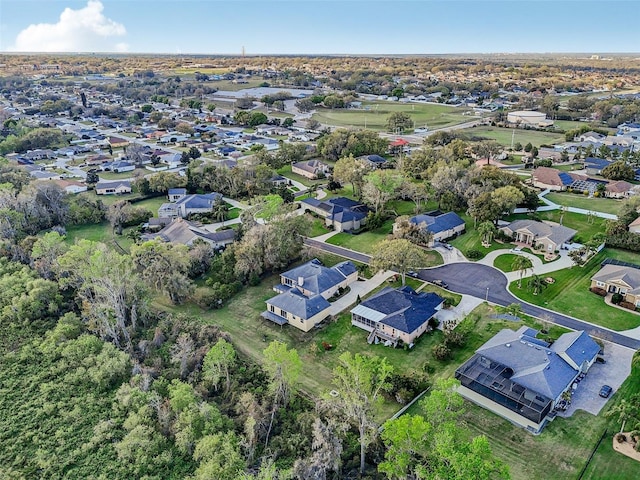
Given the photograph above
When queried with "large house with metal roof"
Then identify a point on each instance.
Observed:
(394, 315)
(303, 293)
(523, 378)
(539, 235)
(441, 225)
(341, 213)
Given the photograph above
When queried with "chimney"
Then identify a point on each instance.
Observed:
(300, 281)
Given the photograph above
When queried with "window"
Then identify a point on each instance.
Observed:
(272, 309)
(600, 284)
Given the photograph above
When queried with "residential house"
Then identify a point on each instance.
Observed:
(186, 233)
(441, 225)
(593, 137)
(119, 166)
(543, 236)
(634, 227)
(396, 314)
(619, 189)
(622, 279)
(311, 169)
(279, 180)
(522, 378)
(303, 293)
(118, 187)
(116, 142)
(340, 213)
(594, 165)
(374, 161)
(176, 194)
(42, 175)
(548, 178)
(188, 205)
(70, 186)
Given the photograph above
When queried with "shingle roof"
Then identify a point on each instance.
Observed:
(578, 346)
(620, 273)
(297, 304)
(594, 162)
(439, 223)
(177, 191)
(199, 200)
(402, 309)
(558, 234)
(317, 278)
(340, 209)
(114, 184)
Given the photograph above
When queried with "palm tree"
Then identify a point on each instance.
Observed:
(624, 411)
(487, 230)
(537, 283)
(220, 209)
(521, 264)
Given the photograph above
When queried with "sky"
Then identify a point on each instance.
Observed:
(320, 26)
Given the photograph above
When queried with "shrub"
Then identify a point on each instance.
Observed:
(627, 305)
(598, 291)
(621, 438)
(433, 323)
(441, 352)
(474, 254)
(455, 339)
(616, 298)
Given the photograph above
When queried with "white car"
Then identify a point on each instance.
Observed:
(516, 250)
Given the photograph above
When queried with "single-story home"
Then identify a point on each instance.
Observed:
(594, 165)
(117, 142)
(119, 166)
(554, 179)
(186, 233)
(523, 378)
(176, 194)
(622, 279)
(441, 225)
(341, 213)
(303, 293)
(374, 161)
(117, 187)
(634, 227)
(618, 189)
(70, 186)
(395, 314)
(188, 205)
(539, 235)
(311, 169)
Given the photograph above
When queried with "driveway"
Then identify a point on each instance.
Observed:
(490, 284)
(343, 252)
(612, 373)
(361, 288)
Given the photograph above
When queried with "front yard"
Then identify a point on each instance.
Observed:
(606, 205)
(570, 294)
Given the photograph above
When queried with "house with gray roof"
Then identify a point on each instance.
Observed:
(303, 293)
(622, 279)
(441, 225)
(340, 213)
(523, 378)
(539, 235)
(183, 232)
(118, 187)
(396, 314)
(311, 169)
(187, 205)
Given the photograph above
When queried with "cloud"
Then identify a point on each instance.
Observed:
(82, 30)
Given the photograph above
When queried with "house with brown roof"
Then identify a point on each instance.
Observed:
(553, 179)
(539, 235)
(634, 227)
(619, 189)
(118, 142)
(622, 279)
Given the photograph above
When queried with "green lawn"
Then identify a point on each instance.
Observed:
(504, 136)
(569, 167)
(99, 233)
(365, 242)
(318, 226)
(586, 226)
(606, 205)
(471, 240)
(505, 262)
(570, 294)
(375, 118)
(123, 175)
(286, 171)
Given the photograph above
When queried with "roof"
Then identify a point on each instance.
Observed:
(184, 232)
(535, 367)
(635, 223)
(578, 346)
(294, 302)
(115, 184)
(439, 223)
(594, 162)
(317, 278)
(558, 234)
(311, 166)
(340, 209)
(377, 159)
(619, 273)
(205, 200)
(620, 186)
(402, 309)
(177, 191)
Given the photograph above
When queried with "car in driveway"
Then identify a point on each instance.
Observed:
(516, 250)
(605, 391)
(448, 246)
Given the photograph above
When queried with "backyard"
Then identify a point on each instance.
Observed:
(570, 294)
(606, 205)
(374, 115)
(505, 136)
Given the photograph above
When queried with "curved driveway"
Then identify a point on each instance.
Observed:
(490, 284)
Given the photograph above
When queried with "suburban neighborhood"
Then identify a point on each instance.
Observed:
(242, 236)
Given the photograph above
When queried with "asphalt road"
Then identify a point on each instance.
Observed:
(343, 252)
(488, 283)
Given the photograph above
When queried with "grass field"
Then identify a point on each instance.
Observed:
(504, 135)
(123, 175)
(471, 240)
(505, 262)
(606, 205)
(569, 167)
(375, 115)
(570, 294)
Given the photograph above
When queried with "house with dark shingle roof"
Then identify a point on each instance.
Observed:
(311, 169)
(341, 213)
(523, 378)
(622, 279)
(441, 225)
(554, 179)
(304, 290)
(183, 232)
(189, 204)
(395, 314)
(539, 235)
(117, 187)
(374, 161)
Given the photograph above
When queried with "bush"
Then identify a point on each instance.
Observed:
(474, 254)
(598, 291)
(616, 298)
(455, 339)
(441, 352)
(627, 305)
(621, 438)
(433, 323)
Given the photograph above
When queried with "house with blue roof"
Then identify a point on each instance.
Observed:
(304, 290)
(441, 225)
(340, 213)
(396, 314)
(523, 378)
(187, 205)
(594, 165)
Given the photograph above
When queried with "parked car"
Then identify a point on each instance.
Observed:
(516, 250)
(440, 283)
(605, 391)
(413, 274)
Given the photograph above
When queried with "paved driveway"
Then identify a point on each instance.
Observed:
(612, 373)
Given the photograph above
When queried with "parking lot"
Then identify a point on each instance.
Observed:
(613, 373)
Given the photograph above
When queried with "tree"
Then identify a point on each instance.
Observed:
(487, 149)
(219, 457)
(217, 363)
(182, 353)
(507, 198)
(45, 253)
(415, 233)
(528, 147)
(380, 187)
(92, 178)
(184, 128)
(399, 255)
(194, 153)
(288, 122)
(350, 170)
(618, 171)
(283, 366)
(398, 122)
(326, 450)
(626, 410)
(305, 105)
(521, 264)
(537, 284)
(360, 381)
(487, 231)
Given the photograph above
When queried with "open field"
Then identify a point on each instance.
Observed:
(504, 135)
(606, 205)
(569, 167)
(374, 115)
(123, 175)
(570, 293)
